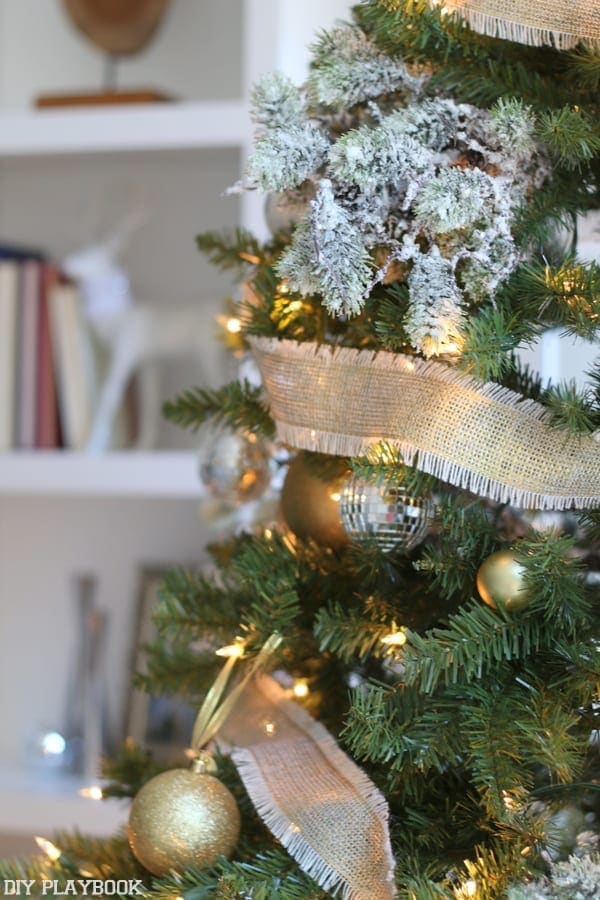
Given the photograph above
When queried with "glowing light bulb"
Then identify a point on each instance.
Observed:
(233, 326)
(470, 888)
(396, 638)
(509, 802)
(300, 688)
(94, 792)
(51, 850)
(236, 649)
(53, 744)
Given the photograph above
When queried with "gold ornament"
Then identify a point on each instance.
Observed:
(501, 579)
(182, 818)
(310, 506)
(187, 817)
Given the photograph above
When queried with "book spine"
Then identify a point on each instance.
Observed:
(9, 299)
(28, 354)
(72, 354)
(47, 427)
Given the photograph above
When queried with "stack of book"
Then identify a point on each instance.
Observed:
(47, 366)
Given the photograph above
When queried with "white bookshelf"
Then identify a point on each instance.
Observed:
(125, 474)
(147, 127)
(50, 802)
(113, 515)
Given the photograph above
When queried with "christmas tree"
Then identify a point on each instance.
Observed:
(423, 190)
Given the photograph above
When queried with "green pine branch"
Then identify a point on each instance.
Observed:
(128, 771)
(554, 581)
(572, 409)
(491, 337)
(475, 641)
(237, 404)
(235, 249)
(197, 603)
(355, 633)
(570, 135)
(399, 729)
(467, 535)
(270, 875)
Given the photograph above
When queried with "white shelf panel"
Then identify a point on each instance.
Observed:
(32, 803)
(119, 474)
(134, 127)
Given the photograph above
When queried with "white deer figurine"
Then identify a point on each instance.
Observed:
(135, 335)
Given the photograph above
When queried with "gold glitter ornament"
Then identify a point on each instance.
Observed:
(182, 818)
(310, 506)
(501, 578)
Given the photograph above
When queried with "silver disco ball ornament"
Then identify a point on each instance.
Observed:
(234, 467)
(385, 514)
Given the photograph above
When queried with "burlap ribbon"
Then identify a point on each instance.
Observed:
(533, 22)
(477, 436)
(321, 806)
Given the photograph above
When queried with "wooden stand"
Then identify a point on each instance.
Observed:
(103, 98)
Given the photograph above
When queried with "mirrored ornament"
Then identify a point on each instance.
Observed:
(385, 514)
(234, 467)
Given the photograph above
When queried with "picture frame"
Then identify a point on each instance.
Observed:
(161, 724)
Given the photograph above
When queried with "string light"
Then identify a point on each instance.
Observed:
(94, 792)
(233, 326)
(51, 850)
(470, 888)
(396, 638)
(53, 744)
(237, 649)
(300, 688)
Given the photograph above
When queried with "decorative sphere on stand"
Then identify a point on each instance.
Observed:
(385, 513)
(310, 505)
(501, 577)
(234, 467)
(182, 818)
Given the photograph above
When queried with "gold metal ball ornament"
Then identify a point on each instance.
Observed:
(501, 579)
(182, 818)
(310, 505)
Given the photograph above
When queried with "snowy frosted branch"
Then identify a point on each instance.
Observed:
(348, 68)
(328, 256)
